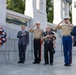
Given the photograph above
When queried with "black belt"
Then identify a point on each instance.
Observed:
(37, 38)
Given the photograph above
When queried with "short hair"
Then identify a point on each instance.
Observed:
(37, 22)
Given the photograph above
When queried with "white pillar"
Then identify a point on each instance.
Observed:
(74, 12)
(2, 12)
(29, 7)
(37, 14)
(61, 9)
(58, 6)
(66, 9)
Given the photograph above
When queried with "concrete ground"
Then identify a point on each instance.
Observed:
(38, 69)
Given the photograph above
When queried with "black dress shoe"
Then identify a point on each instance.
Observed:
(46, 63)
(65, 64)
(51, 63)
(20, 62)
(34, 62)
(69, 65)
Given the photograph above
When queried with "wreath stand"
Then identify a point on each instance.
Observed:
(2, 50)
(3, 36)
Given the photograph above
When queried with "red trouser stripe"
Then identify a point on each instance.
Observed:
(40, 50)
(71, 58)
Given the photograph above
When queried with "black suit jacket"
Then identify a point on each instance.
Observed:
(24, 40)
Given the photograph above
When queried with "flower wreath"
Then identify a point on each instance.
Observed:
(2, 36)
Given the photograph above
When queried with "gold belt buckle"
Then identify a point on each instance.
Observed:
(37, 38)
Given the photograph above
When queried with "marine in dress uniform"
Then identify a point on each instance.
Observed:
(37, 42)
(67, 40)
(48, 38)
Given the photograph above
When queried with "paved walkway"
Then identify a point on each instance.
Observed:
(39, 69)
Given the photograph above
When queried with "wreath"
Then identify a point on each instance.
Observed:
(2, 36)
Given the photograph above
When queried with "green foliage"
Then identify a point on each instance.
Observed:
(70, 14)
(49, 10)
(16, 5)
(19, 6)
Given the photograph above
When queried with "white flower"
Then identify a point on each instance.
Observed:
(3, 33)
(0, 41)
(3, 39)
(0, 29)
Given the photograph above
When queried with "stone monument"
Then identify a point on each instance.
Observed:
(61, 9)
(2, 12)
(74, 12)
(36, 9)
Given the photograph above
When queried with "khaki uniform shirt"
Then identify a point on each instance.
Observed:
(66, 29)
(37, 33)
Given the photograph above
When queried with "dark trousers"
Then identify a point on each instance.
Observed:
(37, 50)
(67, 47)
(48, 47)
(22, 50)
